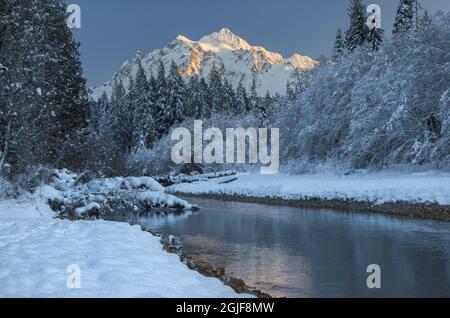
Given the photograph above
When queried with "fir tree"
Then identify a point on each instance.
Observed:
(141, 108)
(404, 20)
(241, 99)
(262, 111)
(197, 99)
(176, 96)
(358, 32)
(47, 108)
(230, 99)
(375, 38)
(339, 44)
(216, 90)
(254, 99)
(162, 112)
(290, 92)
(204, 107)
(425, 21)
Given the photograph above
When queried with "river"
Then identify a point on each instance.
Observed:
(300, 252)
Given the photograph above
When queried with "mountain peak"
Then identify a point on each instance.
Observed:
(239, 61)
(225, 39)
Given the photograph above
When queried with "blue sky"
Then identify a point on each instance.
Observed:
(113, 30)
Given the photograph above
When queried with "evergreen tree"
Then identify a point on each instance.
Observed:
(118, 118)
(254, 99)
(162, 112)
(358, 32)
(216, 90)
(230, 99)
(375, 38)
(425, 21)
(45, 102)
(176, 96)
(290, 92)
(197, 100)
(339, 45)
(241, 99)
(205, 105)
(141, 108)
(404, 20)
(262, 111)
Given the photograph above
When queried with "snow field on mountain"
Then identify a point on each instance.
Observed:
(240, 62)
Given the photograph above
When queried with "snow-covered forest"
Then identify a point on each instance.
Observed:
(378, 101)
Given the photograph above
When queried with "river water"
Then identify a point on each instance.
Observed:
(300, 252)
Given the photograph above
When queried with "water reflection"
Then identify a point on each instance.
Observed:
(297, 252)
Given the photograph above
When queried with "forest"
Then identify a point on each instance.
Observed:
(378, 102)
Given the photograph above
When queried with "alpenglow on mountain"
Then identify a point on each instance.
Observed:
(234, 57)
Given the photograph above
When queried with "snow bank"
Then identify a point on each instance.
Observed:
(69, 196)
(115, 260)
(381, 187)
(38, 253)
(162, 200)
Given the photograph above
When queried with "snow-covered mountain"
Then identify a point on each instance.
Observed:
(232, 55)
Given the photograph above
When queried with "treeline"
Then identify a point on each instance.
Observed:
(136, 117)
(44, 109)
(377, 108)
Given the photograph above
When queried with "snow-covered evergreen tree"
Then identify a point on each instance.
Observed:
(205, 105)
(339, 44)
(216, 89)
(162, 111)
(230, 100)
(358, 32)
(375, 38)
(241, 100)
(142, 116)
(176, 96)
(405, 17)
(254, 100)
(46, 105)
(263, 109)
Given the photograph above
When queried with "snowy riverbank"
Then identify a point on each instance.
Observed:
(412, 194)
(115, 259)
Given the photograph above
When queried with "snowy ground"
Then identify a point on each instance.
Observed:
(381, 187)
(115, 259)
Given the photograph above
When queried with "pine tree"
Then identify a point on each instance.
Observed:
(376, 36)
(119, 118)
(216, 90)
(339, 45)
(425, 21)
(197, 106)
(161, 102)
(358, 32)
(176, 96)
(263, 109)
(204, 107)
(46, 100)
(254, 99)
(230, 99)
(141, 108)
(290, 91)
(404, 20)
(241, 99)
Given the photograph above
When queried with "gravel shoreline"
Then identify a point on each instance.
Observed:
(399, 209)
